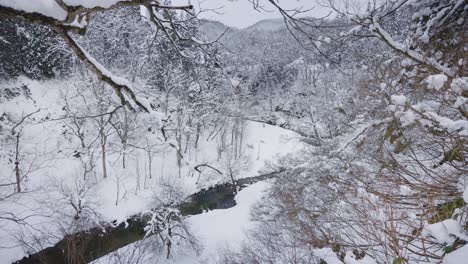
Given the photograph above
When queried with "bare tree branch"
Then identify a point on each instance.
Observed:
(81, 15)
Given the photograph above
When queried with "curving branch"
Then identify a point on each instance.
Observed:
(431, 63)
(120, 85)
(307, 31)
(76, 20)
(371, 23)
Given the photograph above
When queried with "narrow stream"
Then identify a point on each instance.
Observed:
(86, 246)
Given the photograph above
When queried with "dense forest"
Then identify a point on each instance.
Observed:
(136, 131)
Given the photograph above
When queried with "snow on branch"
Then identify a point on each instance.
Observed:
(411, 54)
(72, 16)
(371, 19)
(121, 85)
(66, 11)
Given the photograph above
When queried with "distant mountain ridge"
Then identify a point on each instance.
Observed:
(267, 25)
(214, 29)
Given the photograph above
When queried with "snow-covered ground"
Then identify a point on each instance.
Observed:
(216, 230)
(54, 182)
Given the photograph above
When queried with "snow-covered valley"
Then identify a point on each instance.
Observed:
(142, 132)
(55, 184)
(216, 230)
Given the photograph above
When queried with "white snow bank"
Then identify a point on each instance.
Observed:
(445, 231)
(266, 144)
(220, 228)
(457, 257)
(215, 229)
(125, 191)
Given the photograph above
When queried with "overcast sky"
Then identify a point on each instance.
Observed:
(241, 14)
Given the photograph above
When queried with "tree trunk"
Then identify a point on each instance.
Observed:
(241, 141)
(17, 169)
(123, 155)
(103, 150)
(150, 167)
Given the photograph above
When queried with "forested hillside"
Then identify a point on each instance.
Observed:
(133, 131)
